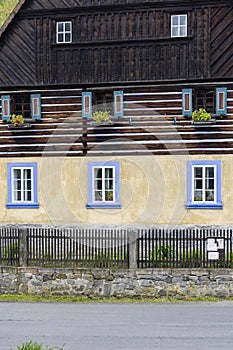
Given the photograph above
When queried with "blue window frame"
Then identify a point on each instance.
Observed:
(204, 184)
(221, 101)
(22, 185)
(87, 104)
(118, 103)
(103, 185)
(187, 102)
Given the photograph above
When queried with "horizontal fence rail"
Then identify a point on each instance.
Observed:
(116, 247)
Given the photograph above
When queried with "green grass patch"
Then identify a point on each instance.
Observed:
(35, 346)
(83, 299)
(6, 7)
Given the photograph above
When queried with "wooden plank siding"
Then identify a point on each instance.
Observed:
(116, 42)
(148, 127)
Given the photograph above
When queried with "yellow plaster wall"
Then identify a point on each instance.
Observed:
(153, 191)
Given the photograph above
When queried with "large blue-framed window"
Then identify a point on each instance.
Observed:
(22, 185)
(204, 184)
(103, 185)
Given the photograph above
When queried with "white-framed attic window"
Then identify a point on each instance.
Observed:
(64, 32)
(178, 26)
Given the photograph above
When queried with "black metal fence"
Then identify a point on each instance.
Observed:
(68, 247)
(185, 248)
(116, 247)
(78, 247)
(9, 246)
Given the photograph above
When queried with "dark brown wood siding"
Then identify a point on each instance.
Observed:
(221, 42)
(18, 54)
(115, 44)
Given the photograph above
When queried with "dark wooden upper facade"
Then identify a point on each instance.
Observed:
(116, 42)
(118, 45)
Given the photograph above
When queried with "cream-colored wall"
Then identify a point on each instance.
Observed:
(153, 190)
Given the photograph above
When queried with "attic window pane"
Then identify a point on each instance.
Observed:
(60, 27)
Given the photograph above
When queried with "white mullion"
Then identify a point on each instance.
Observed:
(204, 182)
(103, 184)
(22, 184)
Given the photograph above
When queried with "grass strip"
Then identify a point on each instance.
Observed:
(83, 299)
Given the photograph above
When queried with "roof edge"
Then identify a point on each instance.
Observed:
(11, 16)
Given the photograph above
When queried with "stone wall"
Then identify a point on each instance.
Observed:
(150, 283)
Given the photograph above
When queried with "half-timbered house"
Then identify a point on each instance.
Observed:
(149, 64)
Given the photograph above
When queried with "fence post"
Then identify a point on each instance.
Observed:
(23, 246)
(133, 248)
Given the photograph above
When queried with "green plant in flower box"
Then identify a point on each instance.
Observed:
(101, 116)
(200, 115)
(17, 119)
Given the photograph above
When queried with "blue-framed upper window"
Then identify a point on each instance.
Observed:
(204, 184)
(103, 185)
(107, 101)
(22, 185)
(29, 106)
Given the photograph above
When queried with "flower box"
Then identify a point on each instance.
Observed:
(202, 122)
(19, 126)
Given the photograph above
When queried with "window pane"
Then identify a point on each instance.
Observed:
(67, 27)
(182, 31)
(175, 31)
(209, 184)
(198, 172)
(109, 173)
(183, 20)
(198, 196)
(174, 20)
(98, 184)
(198, 184)
(67, 37)
(209, 172)
(60, 27)
(109, 195)
(98, 196)
(98, 173)
(209, 195)
(60, 38)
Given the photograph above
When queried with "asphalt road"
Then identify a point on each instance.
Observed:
(136, 326)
